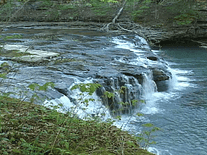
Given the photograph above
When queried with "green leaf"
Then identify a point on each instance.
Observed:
(153, 142)
(67, 145)
(33, 86)
(134, 102)
(91, 99)
(43, 88)
(143, 101)
(86, 101)
(147, 133)
(74, 87)
(83, 88)
(122, 103)
(90, 88)
(156, 129)
(140, 114)
(21, 139)
(149, 125)
(108, 94)
(4, 64)
(118, 117)
(3, 75)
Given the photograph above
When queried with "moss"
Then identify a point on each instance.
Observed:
(59, 61)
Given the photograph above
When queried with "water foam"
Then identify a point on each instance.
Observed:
(158, 152)
(92, 109)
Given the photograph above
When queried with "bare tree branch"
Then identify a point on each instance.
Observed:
(120, 11)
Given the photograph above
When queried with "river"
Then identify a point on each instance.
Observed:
(183, 111)
(180, 112)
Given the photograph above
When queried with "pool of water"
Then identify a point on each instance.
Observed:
(182, 112)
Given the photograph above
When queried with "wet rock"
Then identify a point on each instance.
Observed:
(153, 58)
(62, 88)
(120, 71)
(29, 56)
(160, 75)
(125, 89)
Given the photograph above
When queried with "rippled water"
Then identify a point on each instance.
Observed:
(182, 111)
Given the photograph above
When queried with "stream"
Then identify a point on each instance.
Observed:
(177, 105)
(183, 110)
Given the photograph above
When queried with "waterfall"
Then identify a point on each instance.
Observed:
(149, 87)
(150, 95)
(125, 87)
(72, 102)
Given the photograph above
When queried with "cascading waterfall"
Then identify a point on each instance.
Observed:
(73, 104)
(149, 87)
(133, 89)
(149, 95)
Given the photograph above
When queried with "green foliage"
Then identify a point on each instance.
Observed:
(144, 6)
(108, 94)
(16, 36)
(90, 88)
(4, 70)
(184, 12)
(3, 75)
(66, 7)
(147, 2)
(46, 131)
(134, 102)
(13, 37)
(110, 1)
(140, 114)
(35, 86)
(6, 10)
(100, 8)
(186, 18)
(46, 4)
(145, 138)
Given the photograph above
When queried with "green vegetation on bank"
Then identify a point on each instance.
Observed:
(163, 12)
(27, 128)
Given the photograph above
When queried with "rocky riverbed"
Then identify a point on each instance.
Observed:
(64, 56)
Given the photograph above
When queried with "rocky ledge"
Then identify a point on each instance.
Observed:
(79, 54)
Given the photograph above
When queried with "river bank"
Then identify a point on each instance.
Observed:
(41, 130)
(157, 23)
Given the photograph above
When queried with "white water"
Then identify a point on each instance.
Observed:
(154, 99)
(132, 123)
(83, 111)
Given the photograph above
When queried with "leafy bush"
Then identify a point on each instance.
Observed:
(186, 18)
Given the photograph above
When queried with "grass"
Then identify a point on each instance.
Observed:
(27, 128)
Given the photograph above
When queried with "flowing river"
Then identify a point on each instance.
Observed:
(183, 110)
(180, 112)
